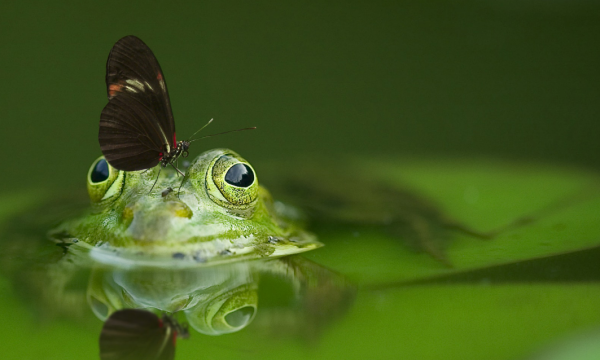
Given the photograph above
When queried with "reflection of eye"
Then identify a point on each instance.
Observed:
(240, 175)
(227, 312)
(240, 317)
(100, 172)
(99, 308)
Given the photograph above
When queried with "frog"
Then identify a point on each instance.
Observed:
(218, 213)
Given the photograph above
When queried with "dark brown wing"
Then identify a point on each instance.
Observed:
(136, 126)
(133, 334)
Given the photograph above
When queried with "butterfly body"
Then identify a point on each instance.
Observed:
(180, 150)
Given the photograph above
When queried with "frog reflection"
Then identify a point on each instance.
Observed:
(215, 300)
(221, 299)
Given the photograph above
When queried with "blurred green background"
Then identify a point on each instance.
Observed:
(500, 78)
(504, 79)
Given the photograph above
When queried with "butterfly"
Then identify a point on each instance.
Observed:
(139, 334)
(137, 130)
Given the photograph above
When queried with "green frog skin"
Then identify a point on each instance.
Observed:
(218, 214)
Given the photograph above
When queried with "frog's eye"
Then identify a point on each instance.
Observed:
(99, 172)
(103, 180)
(240, 175)
(232, 183)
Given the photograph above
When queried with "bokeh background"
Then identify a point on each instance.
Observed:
(493, 79)
(516, 79)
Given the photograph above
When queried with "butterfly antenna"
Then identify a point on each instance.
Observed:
(197, 131)
(226, 132)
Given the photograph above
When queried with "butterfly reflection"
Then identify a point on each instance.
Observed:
(132, 334)
(299, 298)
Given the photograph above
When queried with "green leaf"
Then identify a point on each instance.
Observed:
(540, 211)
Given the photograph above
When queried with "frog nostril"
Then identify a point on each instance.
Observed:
(180, 209)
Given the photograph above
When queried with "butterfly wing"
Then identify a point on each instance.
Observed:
(133, 334)
(136, 126)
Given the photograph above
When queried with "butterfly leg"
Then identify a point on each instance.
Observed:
(179, 171)
(155, 181)
(180, 185)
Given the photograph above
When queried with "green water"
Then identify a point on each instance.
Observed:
(509, 80)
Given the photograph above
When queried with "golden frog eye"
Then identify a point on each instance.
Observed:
(232, 183)
(103, 181)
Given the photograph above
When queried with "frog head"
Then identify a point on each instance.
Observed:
(218, 212)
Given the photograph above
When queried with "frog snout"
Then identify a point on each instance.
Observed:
(153, 222)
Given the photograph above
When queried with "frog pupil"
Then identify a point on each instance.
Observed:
(240, 175)
(100, 172)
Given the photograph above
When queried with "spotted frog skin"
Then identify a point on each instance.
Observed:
(218, 213)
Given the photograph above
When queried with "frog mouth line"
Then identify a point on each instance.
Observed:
(215, 252)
